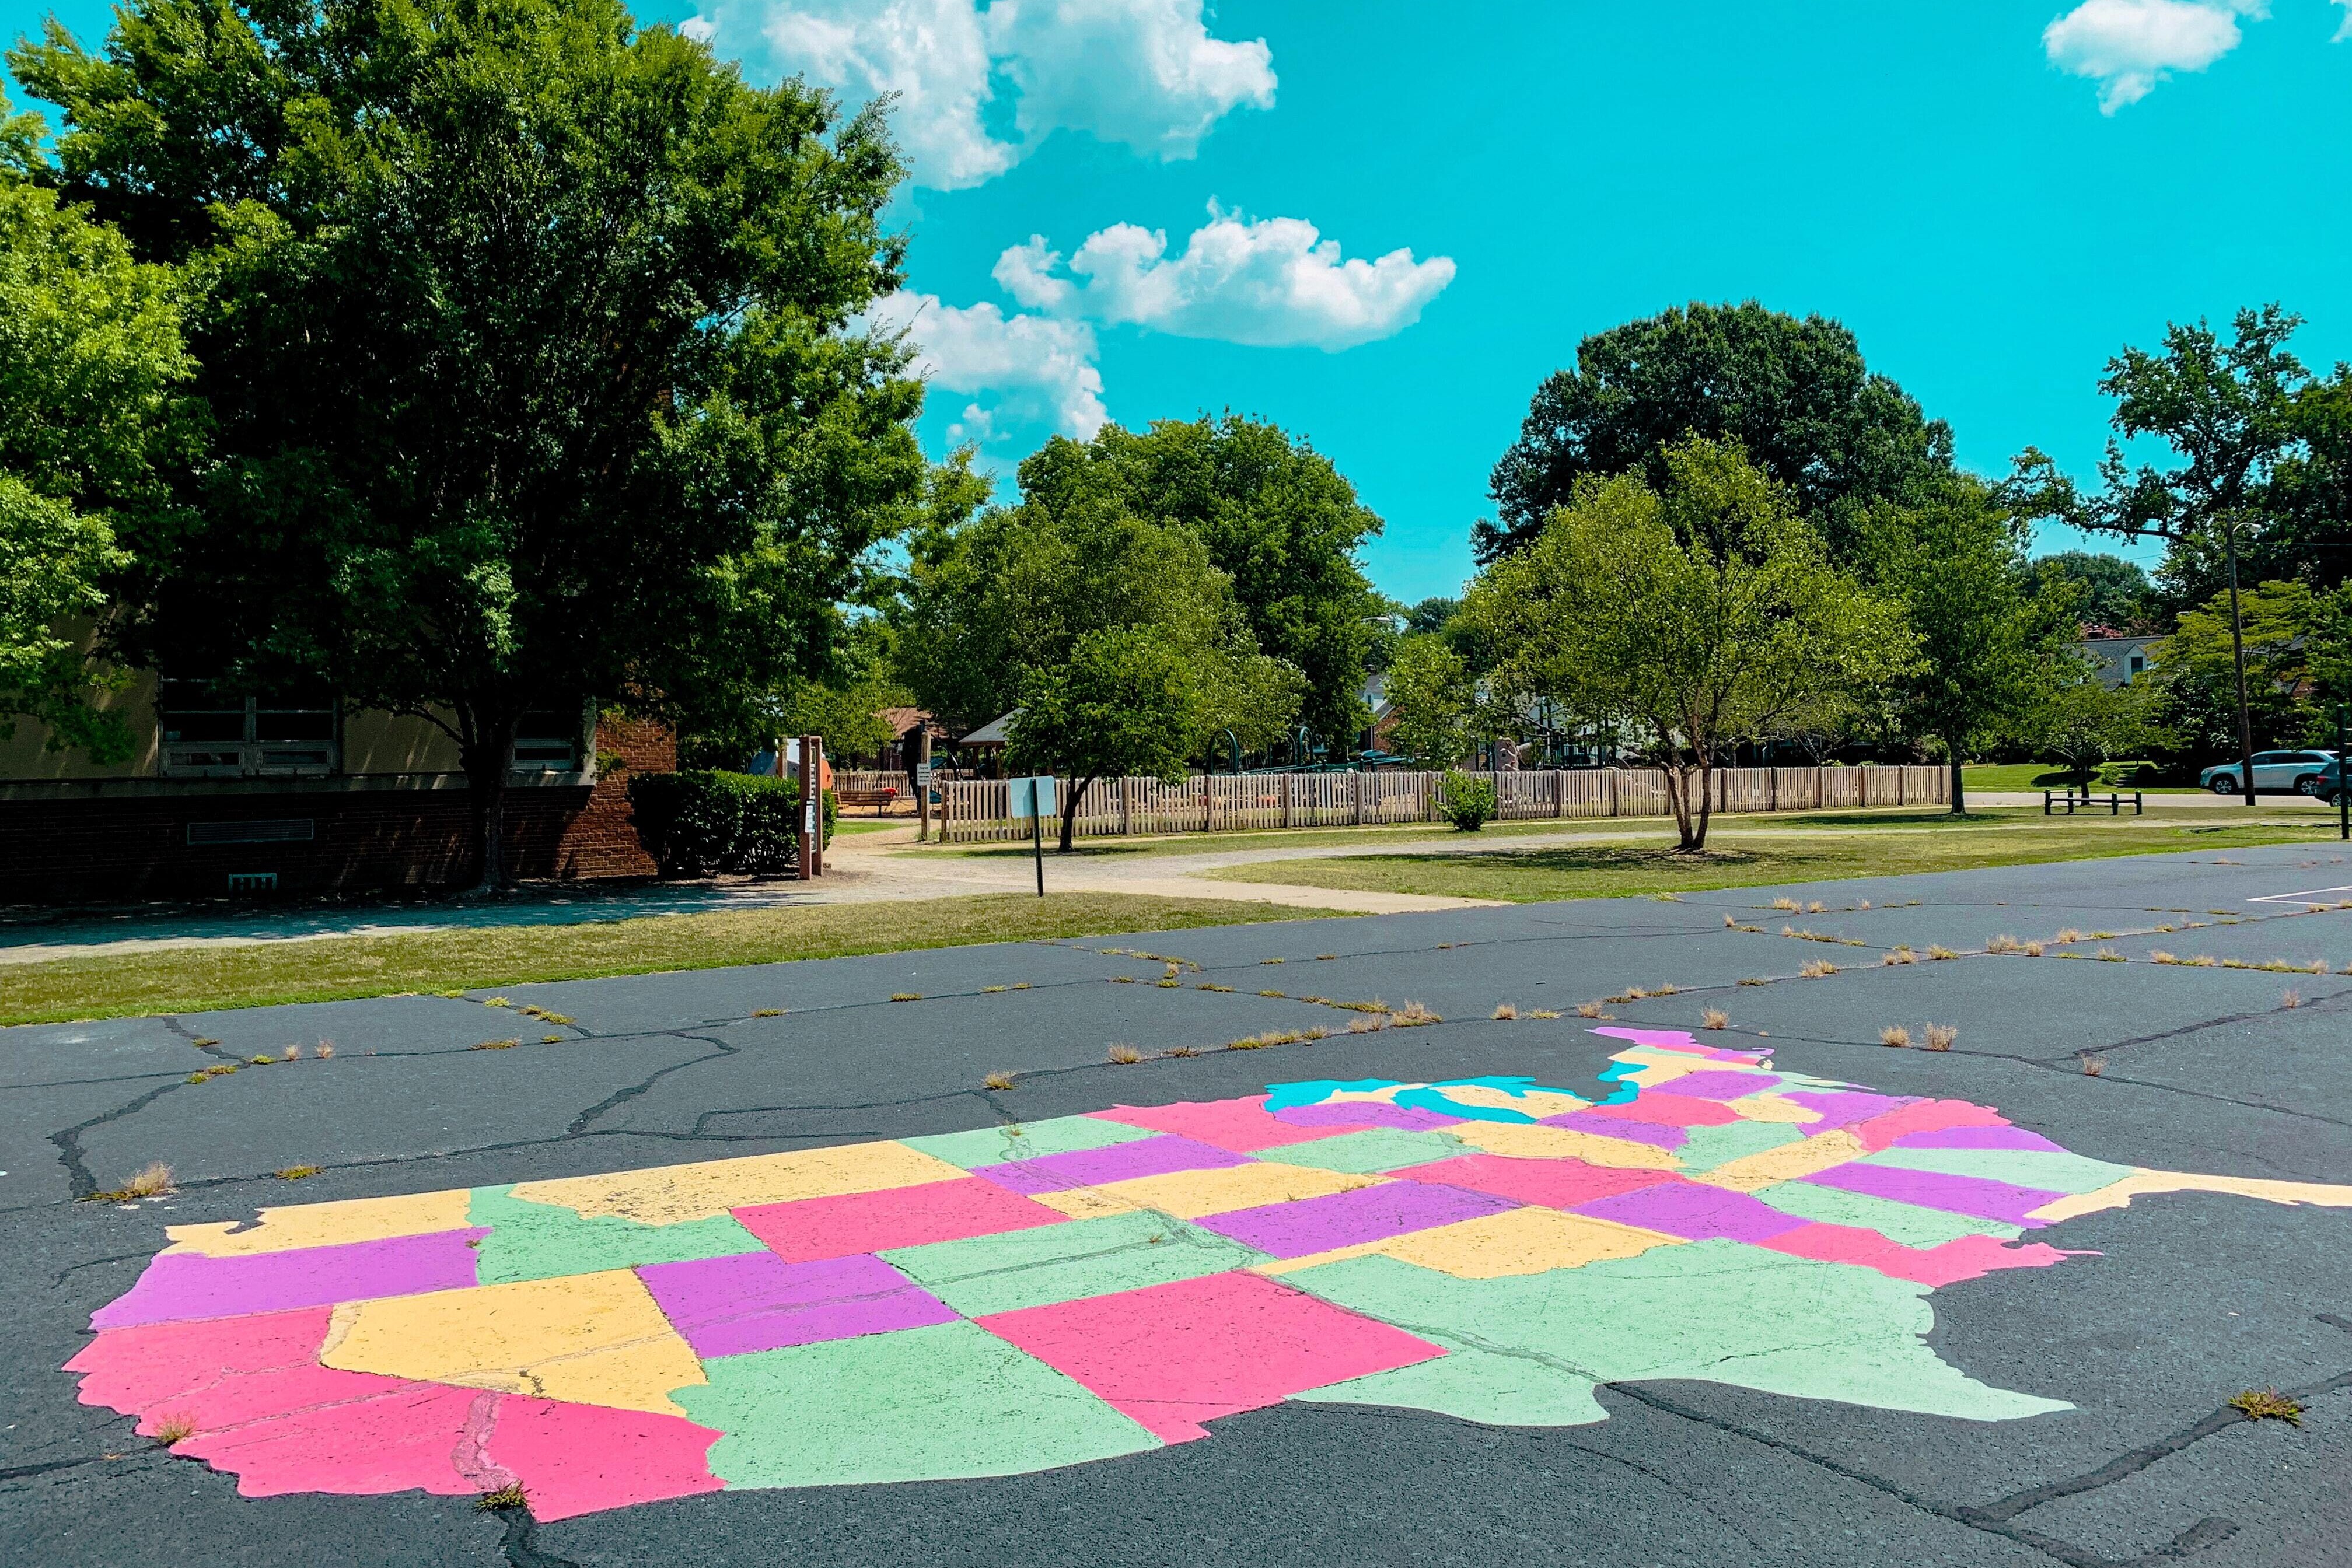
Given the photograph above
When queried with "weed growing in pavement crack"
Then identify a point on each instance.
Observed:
(296, 1173)
(511, 1495)
(150, 1180)
(177, 1427)
(1755, 980)
(1940, 1036)
(998, 1081)
(906, 996)
(1124, 1055)
(495, 1045)
(1814, 969)
(2093, 1066)
(1715, 1018)
(1412, 1015)
(2268, 1404)
(779, 1012)
(1285, 994)
(1900, 956)
(2292, 999)
(1504, 1012)
(1894, 1034)
(1940, 952)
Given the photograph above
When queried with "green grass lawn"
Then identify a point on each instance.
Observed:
(1803, 849)
(196, 979)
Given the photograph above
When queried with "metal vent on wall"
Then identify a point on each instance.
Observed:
(280, 831)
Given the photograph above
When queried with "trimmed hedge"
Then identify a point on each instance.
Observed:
(701, 822)
(1468, 803)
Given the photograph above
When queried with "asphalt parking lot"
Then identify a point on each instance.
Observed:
(2161, 1314)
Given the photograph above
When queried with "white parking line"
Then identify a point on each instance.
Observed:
(2310, 897)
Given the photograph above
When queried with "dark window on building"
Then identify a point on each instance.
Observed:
(209, 733)
(548, 741)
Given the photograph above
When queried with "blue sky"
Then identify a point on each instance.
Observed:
(1994, 198)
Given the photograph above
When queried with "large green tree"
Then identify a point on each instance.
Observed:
(1988, 653)
(1696, 616)
(2229, 412)
(2111, 591)
(1436, 702)
(1277, 518)
(1793, 394)
(93, 421)
(527, 333)
(1054, 607)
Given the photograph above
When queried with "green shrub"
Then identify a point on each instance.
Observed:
(701, 822)
(1468, 803)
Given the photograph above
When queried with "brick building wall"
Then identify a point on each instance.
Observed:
(100, 843)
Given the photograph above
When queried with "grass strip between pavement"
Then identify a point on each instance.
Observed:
(1889, 846)
(333, 968)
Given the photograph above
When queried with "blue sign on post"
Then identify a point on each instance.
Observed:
(1033, 798)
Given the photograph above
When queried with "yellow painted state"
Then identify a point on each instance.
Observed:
(1525, 1142)
(1787, 1163)
(2145, 1183)
(674, 1195)
(592, 1339)
(1536, 1103)
(1772, 1108)
(1188, 1195)
(1521, 1242)
(1655, 1067)
(326, 1225)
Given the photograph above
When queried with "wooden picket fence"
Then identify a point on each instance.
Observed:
(975, 810)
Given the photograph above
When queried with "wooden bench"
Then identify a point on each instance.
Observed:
(880, 800)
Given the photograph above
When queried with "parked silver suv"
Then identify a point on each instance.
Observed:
(2274, 770)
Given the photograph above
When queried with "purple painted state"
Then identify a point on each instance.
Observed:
(1978, 1138)
(1932, 1189)
(1348, 1218)
(1120, 1162)
(1694, 1211)
(1648, 1132)
(178, 1286)
(1680, 1040)
(1845, 1107)
(756, 1300)
(1365, 1113)
(1718, 1085)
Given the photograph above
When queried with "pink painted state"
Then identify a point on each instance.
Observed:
(1925, 1116)
(1172, 1356)
(1120, 1162)
(811, 1228)
(1681, 1040)
(1845, 1107)
(753, 1302)
(1976, 1195)
(1694, 1211)
(1720, 1086)
(1551, 1184)
(1656, 1134)
(572, 1460)
(1662, 1108)
(1978, 1138)
(182, 1285)
(1244, 1126)
(402, 1441)
(221, 1373)
(1968, 1257)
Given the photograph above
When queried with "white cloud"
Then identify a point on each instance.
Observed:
(2129, 45)
(1142, 72)
(1038, 371)
(2344, 31)
(1145, 73)
(1272, 283)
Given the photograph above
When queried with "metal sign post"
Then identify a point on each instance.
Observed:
(812, 834)
(1034, 799)
(2343, 784)
(922, 781)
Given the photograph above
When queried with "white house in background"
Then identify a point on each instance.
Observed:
(2121, 660)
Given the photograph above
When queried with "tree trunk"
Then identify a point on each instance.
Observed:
(486, 761)
(1070, 811)
(1697, 841)
(1960, 789)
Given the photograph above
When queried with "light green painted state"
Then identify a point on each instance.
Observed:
(2051, 1170)
(1066, 1262)
(1713, 1311)
(928, 1403)
(1907, 1223)
(1372, 1152)
(1708, 1147)
(1477, 1386)
(541, 1241)
(1027, 1141)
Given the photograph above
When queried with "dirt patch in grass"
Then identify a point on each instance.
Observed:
(197, 980)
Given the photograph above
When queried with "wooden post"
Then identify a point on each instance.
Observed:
(1612, 792)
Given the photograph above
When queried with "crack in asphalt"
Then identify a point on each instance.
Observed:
(80, 1183)
(720, 1050)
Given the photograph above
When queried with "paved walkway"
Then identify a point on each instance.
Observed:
(885, 866)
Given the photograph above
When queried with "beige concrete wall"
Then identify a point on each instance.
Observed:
(393, 743)
(25, 755)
